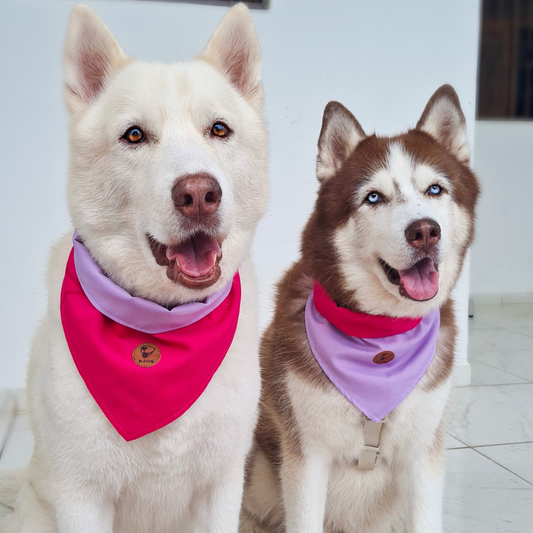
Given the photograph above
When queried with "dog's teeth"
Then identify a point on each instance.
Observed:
(214, 257)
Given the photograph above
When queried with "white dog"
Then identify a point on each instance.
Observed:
(167, 184)
(364, 328)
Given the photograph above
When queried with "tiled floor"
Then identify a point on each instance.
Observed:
(489, 460)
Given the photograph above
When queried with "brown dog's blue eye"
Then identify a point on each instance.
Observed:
(220, 129)
(134, 135)
(435, 190)
(373, 198)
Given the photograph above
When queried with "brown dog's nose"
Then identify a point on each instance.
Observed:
(423, 233)
(196, 195)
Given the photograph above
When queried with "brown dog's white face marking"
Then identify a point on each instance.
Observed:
(387, 210)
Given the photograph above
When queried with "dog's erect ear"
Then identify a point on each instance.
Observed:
(339, 136)
(234, 50)
(91, 57)
(443, 119)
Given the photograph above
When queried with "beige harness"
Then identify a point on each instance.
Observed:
(370, 456)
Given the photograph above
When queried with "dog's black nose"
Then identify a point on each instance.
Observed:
(423, 233)
(196, 195)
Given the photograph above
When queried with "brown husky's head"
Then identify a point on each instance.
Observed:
(394, 215)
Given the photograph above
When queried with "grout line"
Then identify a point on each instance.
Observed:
(493, 385)
(503, 328)
(456, 438)
(465, 445)
(9, 429)
(488, 445)
(528, 335)
(500, 370)
(501, 444)
(472, 357)
(504, 467)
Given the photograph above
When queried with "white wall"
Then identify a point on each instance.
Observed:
(502, 255)
(382, 59)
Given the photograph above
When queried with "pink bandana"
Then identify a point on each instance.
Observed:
(144, 365)
(374, 372)
(359, 324)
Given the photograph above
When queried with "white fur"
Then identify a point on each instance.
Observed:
(186, 477)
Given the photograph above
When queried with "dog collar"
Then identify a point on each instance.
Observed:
(375, 373)
(359, 324)
(137, 313)
(142, 375)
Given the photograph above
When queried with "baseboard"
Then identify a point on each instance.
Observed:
(503, 298)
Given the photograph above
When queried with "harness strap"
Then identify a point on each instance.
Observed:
(370, 456)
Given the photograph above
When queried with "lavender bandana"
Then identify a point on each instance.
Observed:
(131, 311)
(375, 374)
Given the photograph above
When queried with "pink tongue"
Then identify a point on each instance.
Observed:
(196, 256)
(421, 281)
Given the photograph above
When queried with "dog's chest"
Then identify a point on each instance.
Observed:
(174, 466)
(331, 426)
(327, 420)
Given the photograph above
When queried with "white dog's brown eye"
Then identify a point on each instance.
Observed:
(134, 135)
(220, 129)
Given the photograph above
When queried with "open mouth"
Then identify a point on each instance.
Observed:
(419, 282)
(193, 262)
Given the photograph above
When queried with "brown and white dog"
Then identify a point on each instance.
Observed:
(393, 220)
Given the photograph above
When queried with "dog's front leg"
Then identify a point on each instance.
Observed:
(426, 494)
(84, 512)
(304, 485)
(222, 511)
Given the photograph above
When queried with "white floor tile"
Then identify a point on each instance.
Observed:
(518, 458)
(483, 374)
(495, 414)
(19, 446)
(498, 339)
(505, 316)
(482, 497)
(527, 331)
(518, 298)
(477, 324)
(516, 362)
(451, 443)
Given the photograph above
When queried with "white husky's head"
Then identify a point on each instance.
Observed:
(395, 215)
(168, 162)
